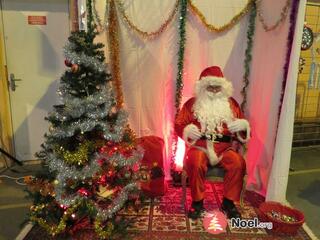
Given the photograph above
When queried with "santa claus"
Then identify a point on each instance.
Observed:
(210, 123)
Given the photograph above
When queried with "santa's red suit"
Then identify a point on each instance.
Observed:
(215, 145)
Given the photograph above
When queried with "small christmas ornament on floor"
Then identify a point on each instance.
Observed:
(282, 217)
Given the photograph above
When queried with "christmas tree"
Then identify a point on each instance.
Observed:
(89, 151)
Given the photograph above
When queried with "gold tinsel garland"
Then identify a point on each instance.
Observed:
(283, 15)
(145, 34)
(53, 229)
(103, 232)
(79, 157)
(113, 37)
(224, 27)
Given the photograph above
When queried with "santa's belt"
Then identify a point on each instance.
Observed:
(217, 138)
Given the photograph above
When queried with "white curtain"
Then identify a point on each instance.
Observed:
(278, 182)
(148, 69)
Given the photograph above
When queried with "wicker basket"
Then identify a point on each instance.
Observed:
(280, 226)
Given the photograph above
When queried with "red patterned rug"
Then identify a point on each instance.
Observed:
(165, 218)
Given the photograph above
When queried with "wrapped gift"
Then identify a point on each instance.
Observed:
(152, 166)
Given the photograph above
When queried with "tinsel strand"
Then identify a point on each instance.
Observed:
(224, 27)
(90, 23)
(283, 15)
(110, 133)
(53, 229)
(104, 232)
(182, 43)
(145, 34)
(117, 203)
(71, 55)
(114, 48)
(98, 21)
(87, 106)
(248, 54)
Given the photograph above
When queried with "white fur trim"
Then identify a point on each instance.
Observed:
(186, 133)
(209, 151)
(211, 154)
(213, 158)
(226, 85)
(245, 140)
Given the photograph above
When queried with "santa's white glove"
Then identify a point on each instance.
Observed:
(191, 132)
(238, 125)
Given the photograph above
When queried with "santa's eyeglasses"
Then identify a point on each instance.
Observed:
(214, 89)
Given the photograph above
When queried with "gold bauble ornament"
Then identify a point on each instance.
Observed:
(75, 68)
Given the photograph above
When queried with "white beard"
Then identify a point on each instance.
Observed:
(212, 110)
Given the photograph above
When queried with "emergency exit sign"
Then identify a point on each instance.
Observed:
(37, 20)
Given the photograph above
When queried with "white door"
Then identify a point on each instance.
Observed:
(34, 34)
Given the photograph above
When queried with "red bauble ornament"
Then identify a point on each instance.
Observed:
(67, 63)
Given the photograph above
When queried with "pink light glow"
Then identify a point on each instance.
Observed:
(181, 149)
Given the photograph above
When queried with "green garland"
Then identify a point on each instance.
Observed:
(248, 54)
(179, 80)
(182, 42)
(90, 22)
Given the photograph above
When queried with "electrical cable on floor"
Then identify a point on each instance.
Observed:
(16, 179)
(6, 153)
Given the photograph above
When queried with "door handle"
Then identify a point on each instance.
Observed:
(12, 82)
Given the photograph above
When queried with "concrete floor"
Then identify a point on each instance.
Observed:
(14, 205)
(303, 193)
(303, 190)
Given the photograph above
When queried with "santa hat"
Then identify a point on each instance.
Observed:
(213, 76)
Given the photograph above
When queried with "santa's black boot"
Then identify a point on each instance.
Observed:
(196, 209)
(230, 209)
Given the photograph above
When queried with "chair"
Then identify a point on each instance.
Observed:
(213, 173)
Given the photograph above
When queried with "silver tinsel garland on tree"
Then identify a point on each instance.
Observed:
(88, 141)
(77, 107)
(71, 172)
(117, 204)
(82, 59)
(90, 113)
